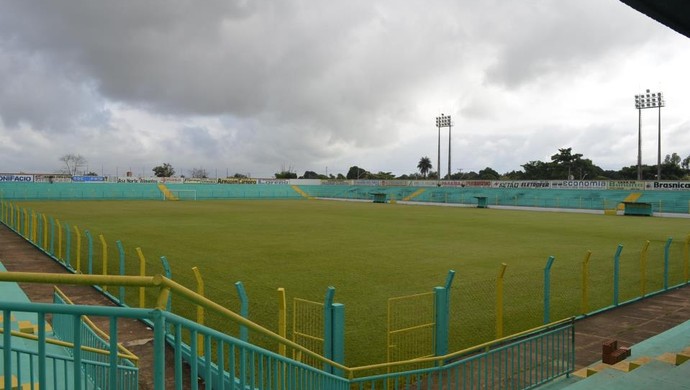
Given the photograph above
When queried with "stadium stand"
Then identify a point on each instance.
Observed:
(589, 199)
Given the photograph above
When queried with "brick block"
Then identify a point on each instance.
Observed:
(607, 347)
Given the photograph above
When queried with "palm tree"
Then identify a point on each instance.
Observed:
(424, 165)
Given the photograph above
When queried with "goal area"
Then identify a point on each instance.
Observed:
(183, 194)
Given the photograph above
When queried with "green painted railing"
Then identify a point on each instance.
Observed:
(76, 369)
(245, 365)
(63, 327)
(229, 362)
(520, 361)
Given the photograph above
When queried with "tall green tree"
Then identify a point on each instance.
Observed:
(286, 175)
(563, 162)
(685, 164)
(356, 172)
(536, 170)
(488, 174)
(424, 165)
(673, 159)
(165, 170)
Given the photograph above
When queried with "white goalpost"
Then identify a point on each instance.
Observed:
(183, 194)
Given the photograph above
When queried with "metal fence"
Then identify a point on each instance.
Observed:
(521, 361)
(524, 359)
(97, 348)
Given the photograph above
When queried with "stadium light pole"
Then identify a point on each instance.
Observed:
(643, 101)
(443, 121)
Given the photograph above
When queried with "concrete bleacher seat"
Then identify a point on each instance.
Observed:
(662, 361)
(87, 191)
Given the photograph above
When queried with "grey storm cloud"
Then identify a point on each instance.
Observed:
(272, 82)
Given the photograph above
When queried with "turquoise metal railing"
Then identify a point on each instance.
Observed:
(30, 363)
(521, 362)
(63, 328)
(514, 362)
(245, 365)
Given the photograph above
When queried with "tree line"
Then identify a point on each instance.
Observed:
(563, 165)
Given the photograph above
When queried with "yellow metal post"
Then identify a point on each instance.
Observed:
(499, 301)
(26, 224)
(686, 255)
(78, 235)
(45, 231)
(34, 221)
(104, 245)
(282, 320)
(162, 300)
(199, 309)
(59, 229)
(643, 269)
(142, 272)
(585, 283)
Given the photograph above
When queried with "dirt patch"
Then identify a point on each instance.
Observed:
(18, 255)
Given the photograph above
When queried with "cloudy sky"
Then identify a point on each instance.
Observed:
(258, 86)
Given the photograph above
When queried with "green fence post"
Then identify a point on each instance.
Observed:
(499, 301)
(168, 274)
(441, 328)
(449, 283)
(59, 240)
(643, 269)
(449, 279)
(667, 248)
(547, 290)
(113, 374)
(244, 309)
(616, 273)
(42, 360)
(7, 348)
(686, 259)
(68, 243)
(244, 332)
(78, 375)
(199, 310)
(52, 236)
(585, 283)
(78, 235)
(338, 336)
(121, 250)
(90, 253)
(328, 327)
(159, 351)
(104, 258)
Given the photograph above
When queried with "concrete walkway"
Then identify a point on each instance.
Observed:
(630, 324)
(18, 255)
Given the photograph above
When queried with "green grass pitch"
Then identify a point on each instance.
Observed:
(372, 252)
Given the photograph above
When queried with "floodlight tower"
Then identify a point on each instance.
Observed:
(443, 121)
(642, 101)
